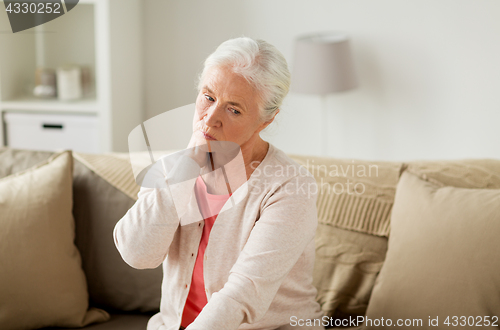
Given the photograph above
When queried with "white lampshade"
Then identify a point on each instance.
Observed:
(323, 64)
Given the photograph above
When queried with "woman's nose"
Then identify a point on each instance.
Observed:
(213, 116)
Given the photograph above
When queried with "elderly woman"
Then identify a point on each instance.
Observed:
(250, 266)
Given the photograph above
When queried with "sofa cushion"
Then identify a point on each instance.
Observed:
(355, 199)
(113, 284)
(98, 205)
(467, 173)
(41, 279)
(346, 266)
(443, 255)
(118, 322)
(15, 160)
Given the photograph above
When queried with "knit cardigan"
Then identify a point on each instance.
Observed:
(259, 258)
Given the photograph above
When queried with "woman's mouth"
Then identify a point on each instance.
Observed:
(207, 136)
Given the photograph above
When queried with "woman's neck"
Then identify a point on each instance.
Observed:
(254, 154)
(235, 172)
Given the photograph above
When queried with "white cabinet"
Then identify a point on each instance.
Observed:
(39, 131)
(103, 35)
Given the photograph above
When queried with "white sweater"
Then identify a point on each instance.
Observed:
(259, 258)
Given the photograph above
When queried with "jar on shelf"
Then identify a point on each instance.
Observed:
(45, 83)
(69, 82)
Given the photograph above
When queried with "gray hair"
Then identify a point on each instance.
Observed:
(260, 63)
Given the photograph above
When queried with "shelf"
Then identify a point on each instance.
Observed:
(35, 104)
(102, 35)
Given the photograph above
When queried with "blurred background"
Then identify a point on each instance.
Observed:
(428, 72)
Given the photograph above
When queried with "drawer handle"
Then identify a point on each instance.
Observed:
(53, 126)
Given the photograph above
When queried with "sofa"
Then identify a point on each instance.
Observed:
(396, 242)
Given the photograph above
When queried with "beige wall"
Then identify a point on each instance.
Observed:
(429, 71)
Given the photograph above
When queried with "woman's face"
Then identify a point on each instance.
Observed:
(227, 108)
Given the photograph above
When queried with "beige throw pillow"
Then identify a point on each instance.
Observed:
(443, 258)
(41, 279)
(354, 204)
(345, 268)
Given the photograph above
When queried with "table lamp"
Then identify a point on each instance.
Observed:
(323, 65)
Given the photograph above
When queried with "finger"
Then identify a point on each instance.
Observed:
(209, 147)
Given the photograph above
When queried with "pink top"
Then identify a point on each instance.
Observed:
(208, 204)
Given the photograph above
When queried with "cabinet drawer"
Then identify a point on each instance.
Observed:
(52, 132)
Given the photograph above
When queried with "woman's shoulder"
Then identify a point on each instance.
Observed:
(280, 178)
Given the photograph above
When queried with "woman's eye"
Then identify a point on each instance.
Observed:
(236, 112)
(209, 98)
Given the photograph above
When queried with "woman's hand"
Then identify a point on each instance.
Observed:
(221, 163)
(175, 168)
(198, 149)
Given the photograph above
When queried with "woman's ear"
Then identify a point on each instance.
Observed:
(267, 123)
